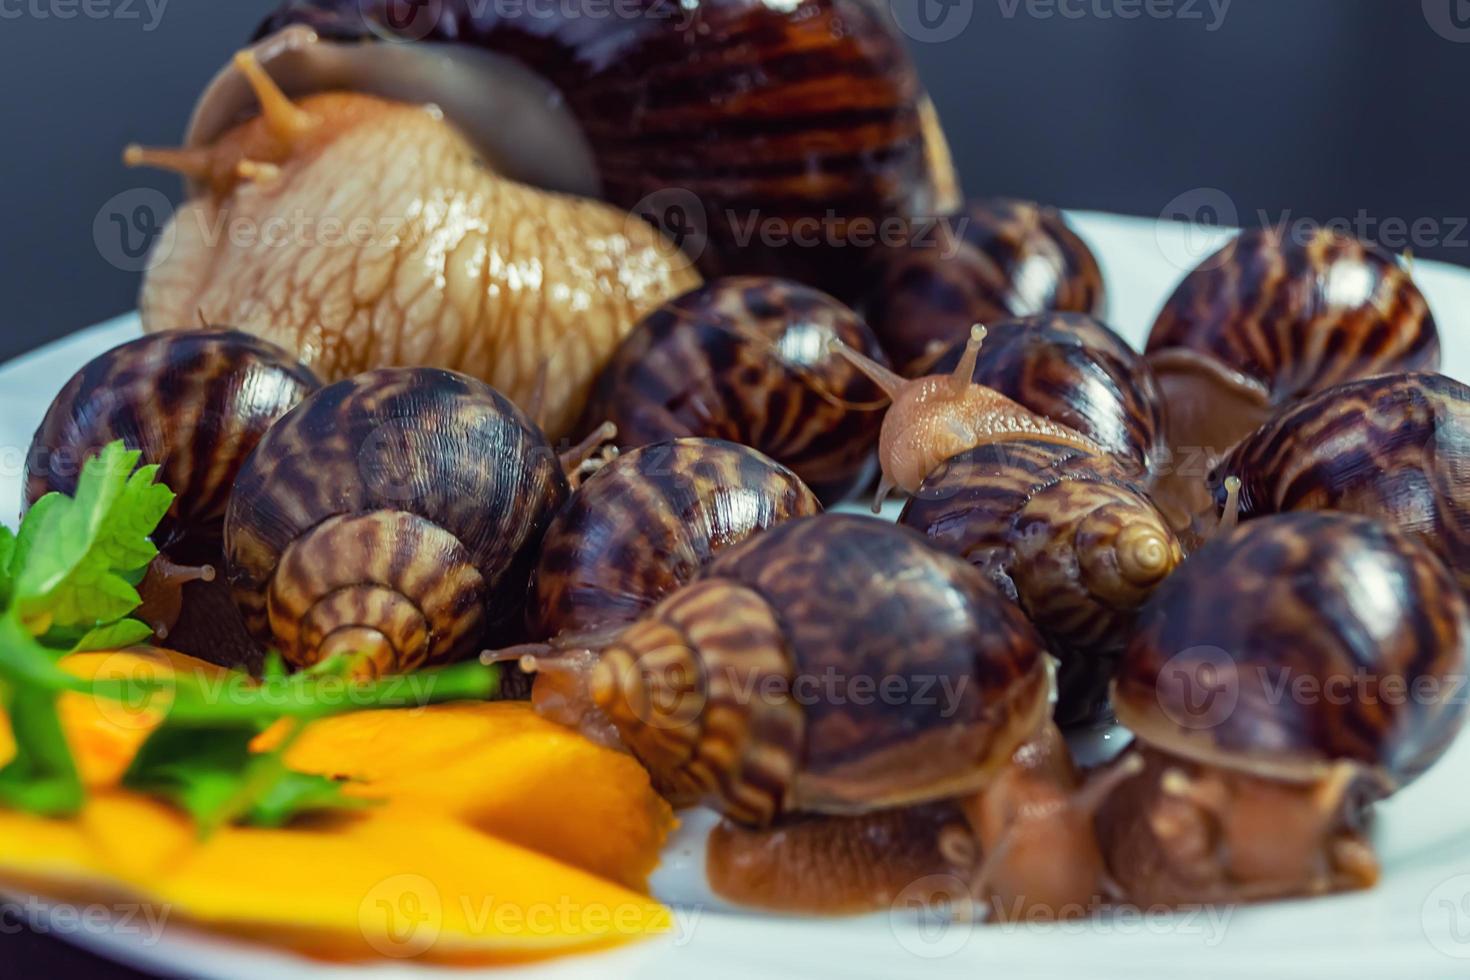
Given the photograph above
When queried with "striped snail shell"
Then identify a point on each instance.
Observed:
(997, 260)
(1070, 534)
(834, 664)
(646, 523)
(1276, 315)
(395, 516)
(747, 359)
(1291, 671)
(1395, 447)
(1074, 370)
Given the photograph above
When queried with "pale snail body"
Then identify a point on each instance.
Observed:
(1248, 794)
(1394, 447)
(1069, 534)
(395, 517)
(646, 523)
(195, 403)
(748, 359)
(996, 260)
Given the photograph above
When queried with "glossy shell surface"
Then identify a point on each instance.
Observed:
(646, 523)
(748, 360)
(1298, 641)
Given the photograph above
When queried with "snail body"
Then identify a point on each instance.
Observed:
(747, 359)
(1394, 447)
(193, 402)
(646, 523)
(395, 516)
(1069, 534)
(1274, 316)
(996, 260)
(1252, 790)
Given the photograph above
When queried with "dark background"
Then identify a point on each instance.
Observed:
(1351, 110)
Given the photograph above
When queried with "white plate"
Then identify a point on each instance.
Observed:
(1416, 923)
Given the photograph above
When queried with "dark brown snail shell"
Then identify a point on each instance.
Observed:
(1274, 316)
(1074, 370)
(1395, 447)
(1290, 673)
(725, 690)
(396, 516)
(1070, 535)
(194, 402)
(748, 360)
(807, 111)
(646, 523)
(1334, 598)
(998, 260)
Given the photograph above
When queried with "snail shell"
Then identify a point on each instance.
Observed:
(646, 523)
(1277, 315)
(806, 111)
(724, 689)
(1072, 369)
(1069, 534)
(193, 402)
(998, 260)
(1335, 598)
(397, 516)
(748, 360)
(1395, 447)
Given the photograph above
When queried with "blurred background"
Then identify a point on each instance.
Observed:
(1346, 110)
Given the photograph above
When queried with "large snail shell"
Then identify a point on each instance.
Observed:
(645, 524)
(833, 664)
(787, 113)
(194, 402)
(1396, 448)
(1274, 316)
(1363, 615)
(997, 260)
(748, 360)
(1074, 370)
(396, 515)
(1069, 534)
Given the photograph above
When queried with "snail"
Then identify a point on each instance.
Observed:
(193, 402)
(1070, 534)
(997, 260)
(832, 665)
(493, 167)
(646, 523)
(395, 517)
(1395, 447)
(1274, 316)
(1075, 370)
(747, 359)
(1285, 676)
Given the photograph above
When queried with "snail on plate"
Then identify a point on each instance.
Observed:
(1285, 676)
(837, 665)
(748, 359)
(996, 260)
(647, 522)
(194, 402)
(466, 185)
(395, 517)
(1274, 316)
(1395, 447)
